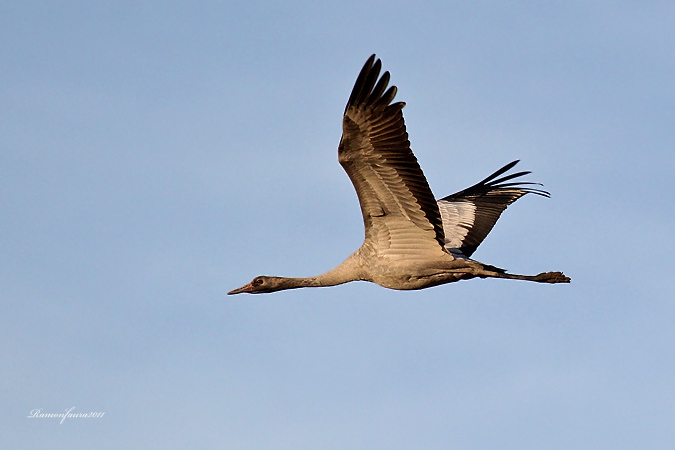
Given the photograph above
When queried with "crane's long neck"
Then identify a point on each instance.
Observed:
(344, 273)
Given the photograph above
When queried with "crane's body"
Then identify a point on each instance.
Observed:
(412, 241)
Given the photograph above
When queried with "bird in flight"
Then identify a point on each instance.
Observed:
(412, 240)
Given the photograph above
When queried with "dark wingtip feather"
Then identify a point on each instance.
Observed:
(379, 88)
(368, 82)
(395, 107)
(387, 97)
(521, 186)
(493, 183)
(509, 177)
(360, 80)
(506, 168)
(371, 88)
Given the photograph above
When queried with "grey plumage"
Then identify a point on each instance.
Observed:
(411, 240)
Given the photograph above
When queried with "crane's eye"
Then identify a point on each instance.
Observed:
(258, 282)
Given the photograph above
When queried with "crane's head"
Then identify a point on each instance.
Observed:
(261, 285)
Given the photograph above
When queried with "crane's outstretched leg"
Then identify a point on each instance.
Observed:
(544, 277)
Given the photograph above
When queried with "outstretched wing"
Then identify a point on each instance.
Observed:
(469, 215)
(400, 214)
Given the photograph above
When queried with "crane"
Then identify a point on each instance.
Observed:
(412, 241)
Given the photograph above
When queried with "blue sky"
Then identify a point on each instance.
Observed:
(154, 156)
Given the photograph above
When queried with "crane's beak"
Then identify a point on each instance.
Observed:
(246, 288)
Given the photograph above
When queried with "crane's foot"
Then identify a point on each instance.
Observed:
(552, 277)
(544, 277)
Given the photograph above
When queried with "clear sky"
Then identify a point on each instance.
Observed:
(155, 155)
